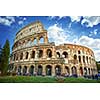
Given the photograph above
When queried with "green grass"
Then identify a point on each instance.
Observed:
(40, 79)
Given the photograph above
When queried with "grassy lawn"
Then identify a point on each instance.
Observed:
(40, 79)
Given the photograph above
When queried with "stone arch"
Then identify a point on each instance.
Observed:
(19, 70)
(83, 59)
(41, 39)
(49, 53)
(65, 54)
(74, 71)
(89, 71)
(40, 68)
(67, 70)
(35, 41)
(31, 70)
(25, 70)
(40, 53)
(27, 53)
(81, 71)
(79, 52)
(21, 56)
(87, 59)
(79, 57)
(33, 54)
(58, 70)
(58, 54)
(49, 70)
(75, 57)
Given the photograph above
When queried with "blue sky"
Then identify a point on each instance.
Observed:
(83, 30)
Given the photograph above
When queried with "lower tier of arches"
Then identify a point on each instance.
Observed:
(53, 70)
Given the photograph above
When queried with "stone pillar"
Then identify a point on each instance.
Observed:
(44, 70)
(38, 42)
(63, 69)
(28, 69)
(53, 70)
(22, 70)
(45, 39)
(53, 52)
(44, 53)
(70, 71)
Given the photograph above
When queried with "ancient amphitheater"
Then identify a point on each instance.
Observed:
(33, 54)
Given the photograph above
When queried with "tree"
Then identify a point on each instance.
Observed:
(5, 53)
(98, 65)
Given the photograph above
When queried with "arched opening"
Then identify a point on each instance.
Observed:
(39, 70)
(27, 55)
(31, 71)
(87, 58)
(58, 55)
(83, 59)
(89, 70)
(58, 70)
(79, 52)
(19, 70)
(65, 54)
(41, 40)
(48, 70)
(35, 41)
(40, 53)
(33, 54)
(81, 71)
(75, 57)
(21, 56)
(49, 53)
(74, 71)
(25, 70)
(85, 71)
(79, 57)
(67, 71)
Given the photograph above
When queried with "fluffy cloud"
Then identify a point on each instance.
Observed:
(20, 22)
(94, 44)
(57, 34)
(8, 20)
(94, 32)
(90, 21)
(53, 17)
(75, 18)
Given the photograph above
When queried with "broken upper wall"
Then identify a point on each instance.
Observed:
(32, 32)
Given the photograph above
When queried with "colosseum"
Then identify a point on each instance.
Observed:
(33, 54)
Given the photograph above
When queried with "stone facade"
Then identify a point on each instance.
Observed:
(32, 54)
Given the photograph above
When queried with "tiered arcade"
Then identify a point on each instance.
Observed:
(32, 54)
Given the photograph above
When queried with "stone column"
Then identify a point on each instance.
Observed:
(44, 53)
(53, 70)
(70, 71)
(22, 70)
(53, 52)
(45, 39)
(63, 69)
(28, 69)
(44, 70)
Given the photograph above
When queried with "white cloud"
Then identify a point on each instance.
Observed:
(92, 43)
(57, 34)
(8, 20)
(75, 18)
(24, 18)
(94, 32)
(20, 22)
(53, 17)
(90, 20)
